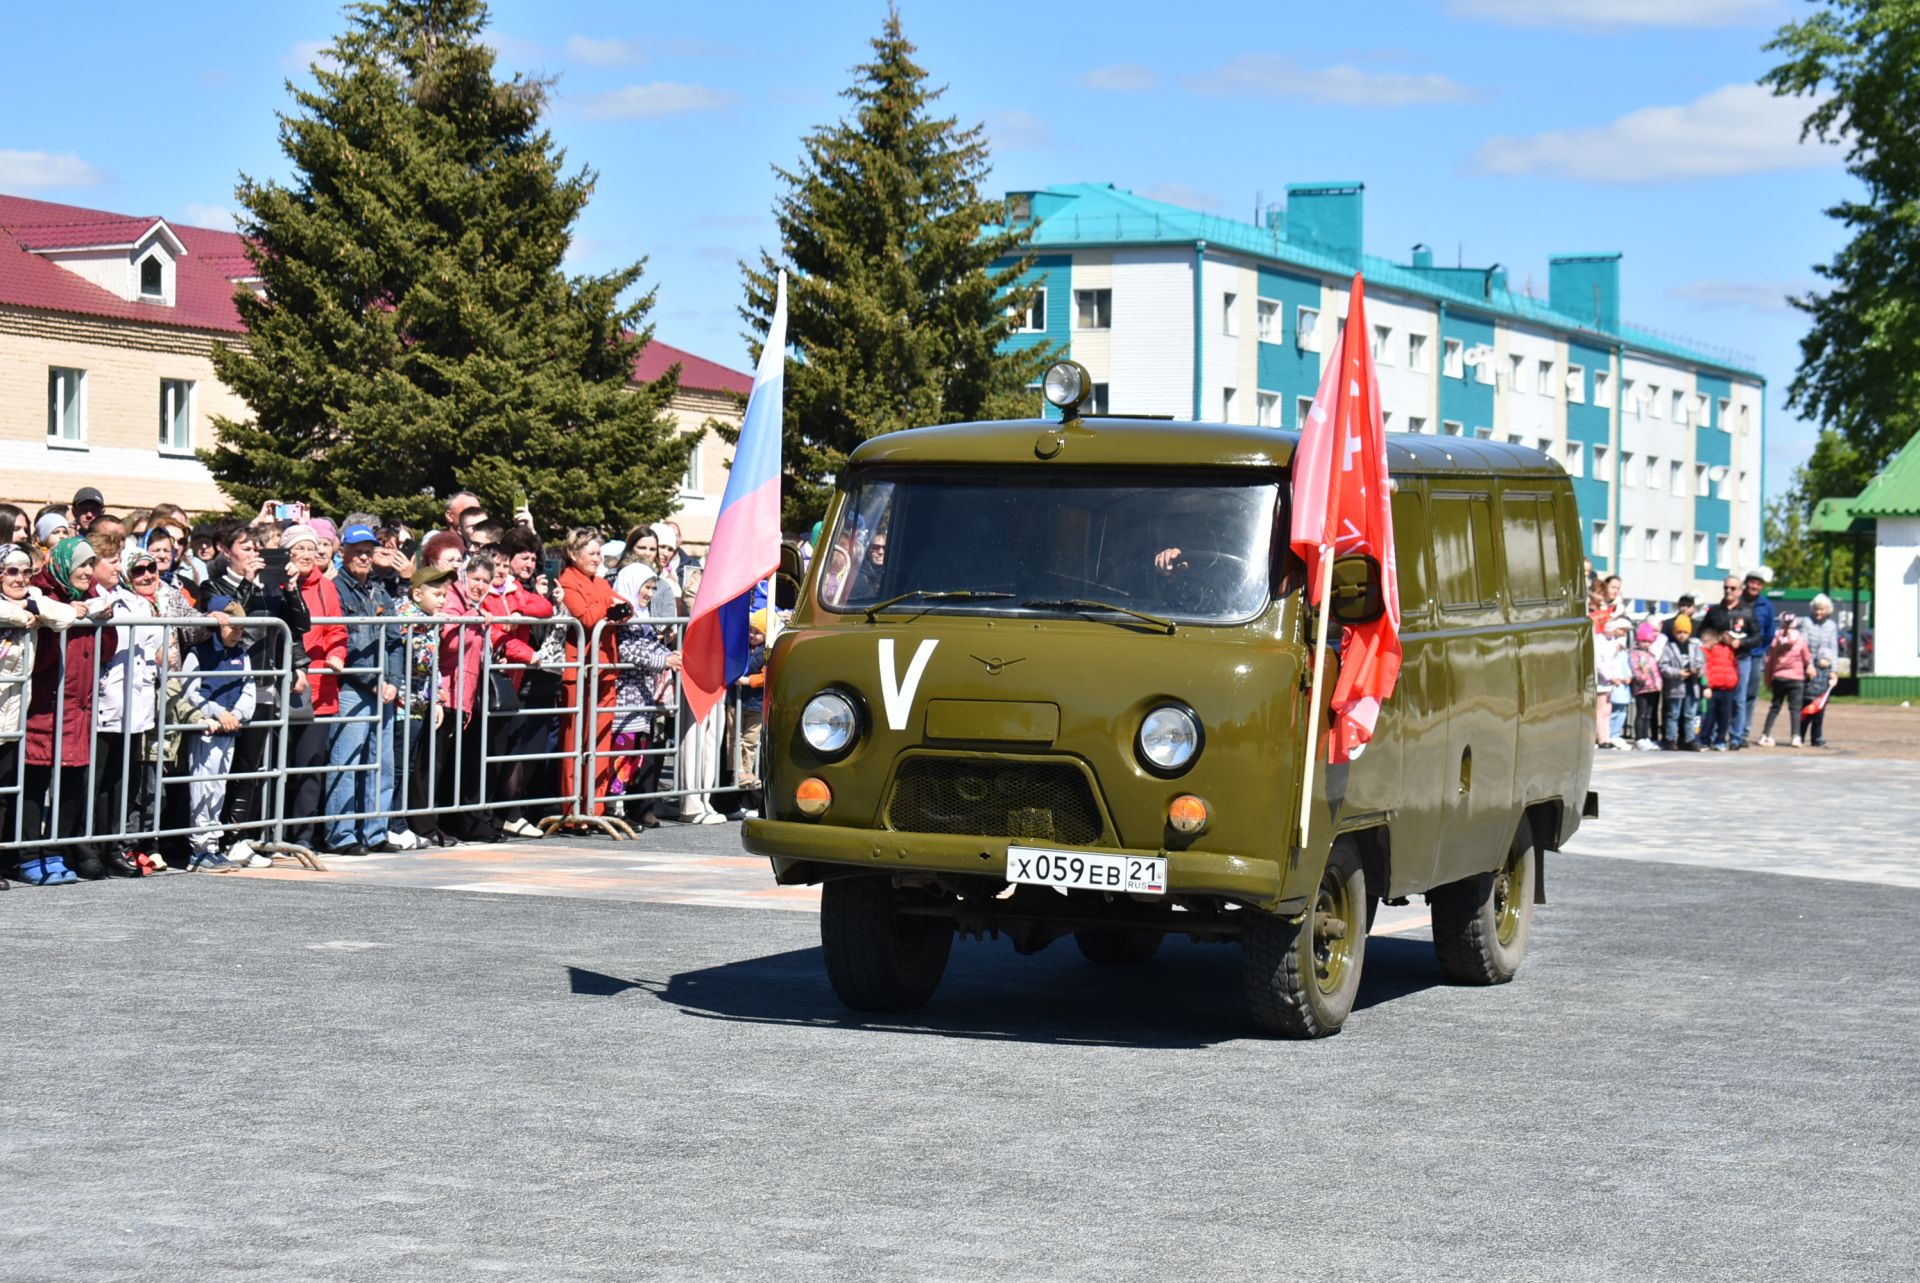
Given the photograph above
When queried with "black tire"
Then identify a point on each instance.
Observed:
(1480, 924)
(1118, 947)
(879, 959)
(1294, 987)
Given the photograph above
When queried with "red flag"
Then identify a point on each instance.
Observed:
(1342, 507)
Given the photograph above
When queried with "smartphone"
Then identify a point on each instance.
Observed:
(289, 511)
(519, 498)
(273, 567)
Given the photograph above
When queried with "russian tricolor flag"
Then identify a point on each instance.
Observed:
(746, 538)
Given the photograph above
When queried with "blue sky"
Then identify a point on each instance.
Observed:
(1499, 130)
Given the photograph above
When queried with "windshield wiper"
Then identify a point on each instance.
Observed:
(955, 594)
(1085, 603)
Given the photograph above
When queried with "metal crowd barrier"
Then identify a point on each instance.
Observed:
(406, 738)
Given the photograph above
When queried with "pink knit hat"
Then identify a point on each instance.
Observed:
(1647, 631)
(325, 529)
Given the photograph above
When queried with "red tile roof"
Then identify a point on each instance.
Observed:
(204, 281)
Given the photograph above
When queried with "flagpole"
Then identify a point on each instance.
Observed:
(1313, 709)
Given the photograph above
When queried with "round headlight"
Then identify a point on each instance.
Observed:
(829, 722)
(1065, 384)
(1169, 739)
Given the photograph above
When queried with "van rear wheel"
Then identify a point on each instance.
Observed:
(1117, 947)
(1301, 977)
(878, 958)
(1480, 924)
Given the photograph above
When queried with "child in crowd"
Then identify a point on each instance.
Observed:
(1681, 660)
(1645, 663)
(422, 712)
(1614, 676)
(1723, 682)
(1788, 663)
(216, 692)
(753, 691)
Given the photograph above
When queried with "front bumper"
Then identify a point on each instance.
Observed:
(798, 848)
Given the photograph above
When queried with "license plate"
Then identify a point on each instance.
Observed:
(1087, 870)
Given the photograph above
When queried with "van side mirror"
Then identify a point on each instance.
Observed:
(787, 579)
(1357, 597)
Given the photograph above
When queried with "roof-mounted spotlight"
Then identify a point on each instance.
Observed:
(1067, 384)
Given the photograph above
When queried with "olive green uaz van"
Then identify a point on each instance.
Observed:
(1050, 678)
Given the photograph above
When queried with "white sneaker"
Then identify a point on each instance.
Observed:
(522, 829)
(406, 839)
(242, 853)
(1622, 743)
(710, 817)
(1796, 741)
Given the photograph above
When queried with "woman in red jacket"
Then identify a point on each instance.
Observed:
(515, 734)
(64, 698)
(326, 649)
(589, 599)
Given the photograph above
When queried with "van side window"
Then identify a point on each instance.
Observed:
(1549, 516)
(1462, 542)
(1520, 533)
(1410, 554)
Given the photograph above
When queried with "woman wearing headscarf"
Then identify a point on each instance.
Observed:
(589, 599)
(643, 692)
(463, 735)
(60, 707)
(24, 613)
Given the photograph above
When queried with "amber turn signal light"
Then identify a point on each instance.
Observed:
(1187, 814)
(813, 796)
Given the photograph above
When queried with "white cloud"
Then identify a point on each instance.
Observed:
(1590, 14)
(218, 217)
(1745, 296)
(1736, 129)
(656, 99)
(1121, 78)
(305, 53)
(40, 170)
(1019, 131)
(1266, 75)
(611, 52)
(1182, 195)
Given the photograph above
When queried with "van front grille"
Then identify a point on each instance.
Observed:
(1046, 801)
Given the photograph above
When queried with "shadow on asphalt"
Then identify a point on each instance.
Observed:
(1188, 996)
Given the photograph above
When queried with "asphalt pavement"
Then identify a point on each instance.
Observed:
(1701, 1073)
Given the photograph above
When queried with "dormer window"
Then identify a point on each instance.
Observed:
(152, 277)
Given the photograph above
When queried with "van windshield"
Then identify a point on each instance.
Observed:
(1187, 547)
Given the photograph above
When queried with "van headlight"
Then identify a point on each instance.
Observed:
(1169, 739)
(828, 723)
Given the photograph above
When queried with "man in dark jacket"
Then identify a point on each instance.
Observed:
(238, 572)
(1752, 653)
(361, 751)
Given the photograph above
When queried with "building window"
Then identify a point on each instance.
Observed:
(1482, 363)
(66, 405)
(1699, 550)
(1302, 407)
(1677, 478)
(1599, 539)
(1653, 546)
(1517, 373)
(1034, 319)
(1383, 353)
(1725, 407)
(1746, 419)
(1630, 397)
(1386, 420)
(1544, 384)
(1700, 484)
(1603, 389)
(690, 482)
(1417, 354)
(1700, 404)
(1629, 475)
(1306, 329)
(1677, 548)
(176, 415)
(1266, 318)
(1267, 404)
(1656, 404)
(1720, 551)
(1230, 315)
(1576, 459)
(1627, 546)
(1453, 359)
(1719, 475)
(1451, 427)
(1097, 403)
(1226, 405)
(1679, 407)
(152, 277)
(1600, 462)
(1416, 424)
(1577, 384)
(1093, 309)
(1746, 552)
(1483, 434)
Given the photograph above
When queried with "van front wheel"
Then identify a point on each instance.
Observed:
(1480, 924)
(1301, 977)
(878, 958)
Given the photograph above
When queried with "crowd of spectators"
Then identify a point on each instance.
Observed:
(1692, 681)
(393, 737)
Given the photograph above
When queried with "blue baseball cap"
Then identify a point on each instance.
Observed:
(357, 534)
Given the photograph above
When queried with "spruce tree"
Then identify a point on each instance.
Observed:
(896, 311)
(415, 333)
